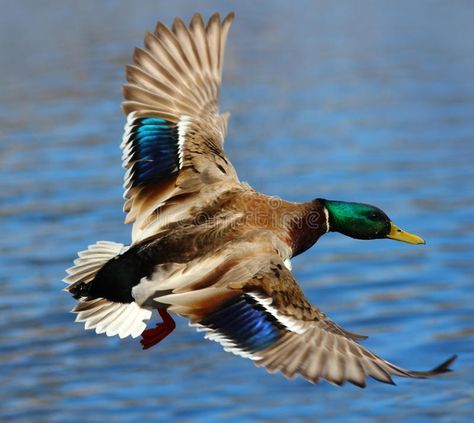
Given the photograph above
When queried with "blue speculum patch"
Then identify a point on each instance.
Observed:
(246, 323)
(154, 150)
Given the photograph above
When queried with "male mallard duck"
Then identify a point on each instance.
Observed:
(206, 246)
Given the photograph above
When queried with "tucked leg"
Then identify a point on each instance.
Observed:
(153, 336)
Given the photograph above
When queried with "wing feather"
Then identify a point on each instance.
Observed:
(176, 77)
(305, 341)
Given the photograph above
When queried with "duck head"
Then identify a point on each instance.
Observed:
(363, 221)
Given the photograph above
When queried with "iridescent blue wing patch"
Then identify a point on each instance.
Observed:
(151, 150)
(243, 326)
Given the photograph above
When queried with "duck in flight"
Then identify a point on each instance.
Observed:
(206, 246)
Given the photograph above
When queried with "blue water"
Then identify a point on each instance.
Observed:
(368, 101)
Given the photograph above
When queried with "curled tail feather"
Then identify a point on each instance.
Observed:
(111, 318)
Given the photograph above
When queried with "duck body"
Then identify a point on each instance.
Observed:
(206, 246)
(223, 227)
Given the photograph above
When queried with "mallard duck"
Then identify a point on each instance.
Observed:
(206, 246)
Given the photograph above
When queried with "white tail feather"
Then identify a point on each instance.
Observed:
(122, 319)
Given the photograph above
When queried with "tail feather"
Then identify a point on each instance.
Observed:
(111, 318)
(88, 264)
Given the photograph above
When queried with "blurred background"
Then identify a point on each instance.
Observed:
(370, 101)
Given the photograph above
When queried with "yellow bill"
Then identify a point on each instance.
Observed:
(399, 235)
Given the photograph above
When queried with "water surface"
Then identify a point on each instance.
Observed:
(366, 101)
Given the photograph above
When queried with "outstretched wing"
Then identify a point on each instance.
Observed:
(269, 320)
(173, 141)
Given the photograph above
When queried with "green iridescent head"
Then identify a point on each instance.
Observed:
(363, 221)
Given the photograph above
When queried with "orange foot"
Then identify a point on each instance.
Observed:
(151, 337)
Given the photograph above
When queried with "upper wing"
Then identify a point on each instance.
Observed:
(173, 141)
(269, 320)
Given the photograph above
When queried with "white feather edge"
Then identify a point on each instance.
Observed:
(122, 319)
(225, 342)
(126, 146)
(290, 323)
(183, 126)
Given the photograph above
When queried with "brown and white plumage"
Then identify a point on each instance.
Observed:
(205, 246)
(177, 76)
